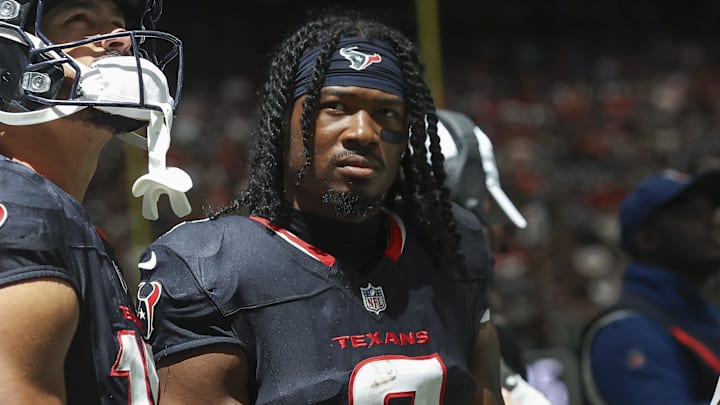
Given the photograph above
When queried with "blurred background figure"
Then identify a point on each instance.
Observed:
(474, 182)
(660, 343)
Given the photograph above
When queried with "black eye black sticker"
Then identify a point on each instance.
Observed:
(390, 136)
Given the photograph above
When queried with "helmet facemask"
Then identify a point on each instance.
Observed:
(32, 74)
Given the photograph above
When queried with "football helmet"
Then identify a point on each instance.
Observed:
(471, 170)
(33, 70)
(31, 66)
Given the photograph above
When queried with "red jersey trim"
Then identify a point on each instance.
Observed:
(696, 346)
(310, 250)
(396, 239)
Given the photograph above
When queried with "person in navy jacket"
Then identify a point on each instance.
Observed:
(660, 343)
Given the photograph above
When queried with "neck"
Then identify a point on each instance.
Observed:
(340, 238)
(67, 155)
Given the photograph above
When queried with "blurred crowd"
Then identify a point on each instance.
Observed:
(573, 129)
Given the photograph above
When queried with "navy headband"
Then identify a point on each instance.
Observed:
(360, 62)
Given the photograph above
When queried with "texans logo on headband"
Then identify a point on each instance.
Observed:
(359, 60)
(385, 75)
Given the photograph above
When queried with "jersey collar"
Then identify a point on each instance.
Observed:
(393, 251)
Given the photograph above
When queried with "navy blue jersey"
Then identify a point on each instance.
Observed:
(44, 232)
(312, 333)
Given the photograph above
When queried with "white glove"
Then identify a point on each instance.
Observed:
(517, 391)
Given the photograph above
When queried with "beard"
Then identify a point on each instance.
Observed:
(106, 121)
(348, 204)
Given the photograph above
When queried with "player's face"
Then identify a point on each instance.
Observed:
(687, 236)
(74, 20)
(353, 164)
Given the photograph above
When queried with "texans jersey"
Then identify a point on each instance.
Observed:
(44, 232)
(312, 333)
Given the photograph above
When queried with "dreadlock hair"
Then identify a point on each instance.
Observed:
(420, 186)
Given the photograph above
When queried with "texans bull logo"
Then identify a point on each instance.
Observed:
(148, 296)
(359, 60)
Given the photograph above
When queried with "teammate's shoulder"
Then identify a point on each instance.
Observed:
(472, 233)
(34, 213)
(20, 186)
(235, 261)
(205, 235)
(466, 219)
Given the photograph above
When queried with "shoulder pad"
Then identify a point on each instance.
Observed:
(239, 263)
(466, 218)
(34, 218)
(473, 243)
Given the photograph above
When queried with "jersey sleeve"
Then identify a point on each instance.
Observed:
(174, 308)
(635, 361)
(479, 263)
(31, 240)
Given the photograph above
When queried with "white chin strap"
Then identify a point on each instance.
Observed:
(115, 80)
(161, 179)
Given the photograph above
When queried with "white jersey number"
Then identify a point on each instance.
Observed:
(135, 362)
(403, 380)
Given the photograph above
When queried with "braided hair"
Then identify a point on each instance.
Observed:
(420, 185)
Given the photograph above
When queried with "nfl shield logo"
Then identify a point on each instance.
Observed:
(373, 298)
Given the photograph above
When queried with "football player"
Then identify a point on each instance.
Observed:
(474, 182)
(72, 76)
(354, 278)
